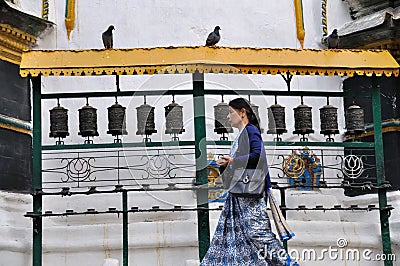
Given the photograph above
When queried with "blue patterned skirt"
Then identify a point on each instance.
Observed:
(243, 236)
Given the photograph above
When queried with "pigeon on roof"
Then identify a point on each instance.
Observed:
(213, 37)
(333, 40)
(107, 37)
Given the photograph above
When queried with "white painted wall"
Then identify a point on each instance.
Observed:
(187, 23)
(171, 238)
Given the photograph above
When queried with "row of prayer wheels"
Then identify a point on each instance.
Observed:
(302, 118)
(116, 121)
(174, 120)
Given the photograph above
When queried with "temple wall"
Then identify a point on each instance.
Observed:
(171, 238)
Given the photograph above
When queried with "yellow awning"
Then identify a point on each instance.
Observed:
(178, 60)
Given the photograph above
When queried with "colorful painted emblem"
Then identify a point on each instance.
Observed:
(304, 166)
(214, 180)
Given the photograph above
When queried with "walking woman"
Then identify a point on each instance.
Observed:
(243, 234)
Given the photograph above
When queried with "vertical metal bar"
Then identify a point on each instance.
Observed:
(125, 243)
(203, 225)
(283, 205)
(37, 170)
(380, 169)
(118, 172)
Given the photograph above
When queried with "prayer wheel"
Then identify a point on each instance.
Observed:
(88, 121)
(221, 122)
(355, 120)
(303, 120)
(116, 120)
(329, 120)
(174, 118)
(145, 120)
(58, 122)
(255, 110)
(257, 114)
(276, 119)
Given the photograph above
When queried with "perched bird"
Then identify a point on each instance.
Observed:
(333, 40)
(107, 37)
(213, 37)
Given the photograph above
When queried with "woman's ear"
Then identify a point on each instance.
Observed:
(241, 113)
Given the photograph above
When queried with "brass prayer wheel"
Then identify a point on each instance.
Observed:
(58, 122)
(276, 119)
(116, 120)
(256, 112)
(355, 120)
(221, 122)
(145, 120)
(255, 109)
(303, 120)
(329, 120)
(174, 118)
(88, 121)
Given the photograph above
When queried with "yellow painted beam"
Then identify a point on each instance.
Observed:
(10, 49)
(389, 125)
(18, 34)
(10, 58)
(14, 128)
(244, 60)
(13, 42)
(371, 133)
(14, 124)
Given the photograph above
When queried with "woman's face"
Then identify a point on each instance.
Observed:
(235, 116)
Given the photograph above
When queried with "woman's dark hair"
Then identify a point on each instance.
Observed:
(240, 103)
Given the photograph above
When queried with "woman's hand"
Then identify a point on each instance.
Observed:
(224, 160)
